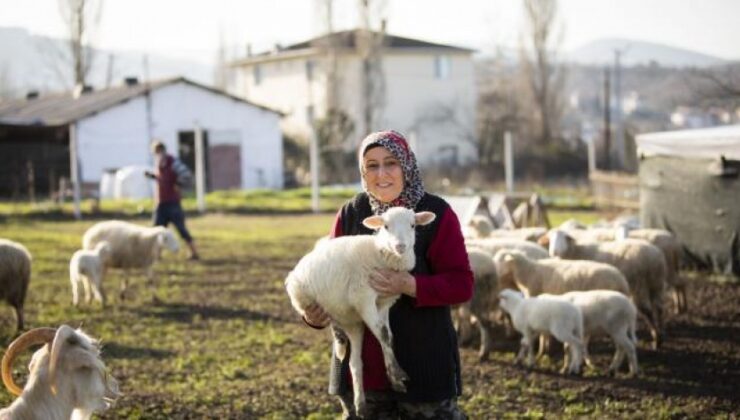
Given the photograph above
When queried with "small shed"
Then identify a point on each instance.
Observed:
(104, 130)
(689, 185)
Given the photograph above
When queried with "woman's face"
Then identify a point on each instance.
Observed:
(383, 174)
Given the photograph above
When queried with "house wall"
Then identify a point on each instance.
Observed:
(118, 136)
(414, 98)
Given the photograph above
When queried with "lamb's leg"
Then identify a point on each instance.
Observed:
(544, 346)
(74, 282)
(124, 285)
(463, 323)
(96, 283)
(484, 326)
(624, 347)
(152, 284)
(646, 313)
(18, 315)
(575, 347)
(354, 334)
(86, 287)
(377, 321)
(586, 355)
(524, 344)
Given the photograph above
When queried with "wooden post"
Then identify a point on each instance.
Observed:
(200, 166)
(74, 169)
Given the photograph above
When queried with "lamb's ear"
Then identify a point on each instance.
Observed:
(424, 217)
(373, 222)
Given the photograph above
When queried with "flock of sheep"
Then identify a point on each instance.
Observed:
(68, 379)
(570, 283)
(602, 279)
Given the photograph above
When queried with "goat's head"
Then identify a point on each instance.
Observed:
(395, 230)
(69, 363)
(166, 239)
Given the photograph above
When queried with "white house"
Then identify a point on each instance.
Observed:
(114, 128)
(427, 90)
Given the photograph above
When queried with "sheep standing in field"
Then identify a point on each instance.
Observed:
(15, 274)
(479, 226)
(607, 312)
(533, 316)
(131, 246)
(67, 377)
(642, 264)
(336, 276)
(87, 268)
(672, 250)
(483, 303)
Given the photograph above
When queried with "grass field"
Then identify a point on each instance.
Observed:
(225, 342)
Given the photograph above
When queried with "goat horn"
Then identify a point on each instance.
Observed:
(26, 340)
(62, 334)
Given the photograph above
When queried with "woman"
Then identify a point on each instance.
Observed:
(425, 342)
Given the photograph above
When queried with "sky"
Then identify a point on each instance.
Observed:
(194, 28)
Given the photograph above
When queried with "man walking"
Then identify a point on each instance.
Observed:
(168, 196)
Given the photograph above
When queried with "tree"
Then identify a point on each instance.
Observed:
(718, 85)
(546, 79)
(81, 18)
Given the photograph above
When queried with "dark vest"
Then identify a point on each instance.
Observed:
(424, 340)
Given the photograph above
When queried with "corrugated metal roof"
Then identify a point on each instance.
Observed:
(63, 108)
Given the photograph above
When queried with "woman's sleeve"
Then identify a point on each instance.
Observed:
(336, 230)
(452, 281)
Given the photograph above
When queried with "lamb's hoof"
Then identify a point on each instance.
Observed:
(360, 409)
(612, 373)
(482, 357)
(397, 377)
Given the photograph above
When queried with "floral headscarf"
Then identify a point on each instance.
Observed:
(413, 188)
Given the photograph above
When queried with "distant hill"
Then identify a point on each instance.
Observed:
(30, 62)
(640, 52)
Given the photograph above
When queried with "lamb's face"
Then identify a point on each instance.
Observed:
(481, 226)
(503, 266)
(509, 299)
(396, 229)
(559, 243)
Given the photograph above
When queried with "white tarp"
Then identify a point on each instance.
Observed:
(703, 143)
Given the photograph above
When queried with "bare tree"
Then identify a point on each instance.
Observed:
(545, 78)
(369, 45)
(81, 18)
(718, 85)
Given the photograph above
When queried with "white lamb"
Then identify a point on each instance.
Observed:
(336, 274)
(642, 264)
(132, 246)
(606, 312)
(87, 267)
(67, 378)
(534, 316)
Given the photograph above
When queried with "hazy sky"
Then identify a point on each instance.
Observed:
(192, 28)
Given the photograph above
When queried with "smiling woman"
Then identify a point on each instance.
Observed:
(424, 340)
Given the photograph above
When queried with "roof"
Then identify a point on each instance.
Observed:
(699, 143)
(348, 40)
(63, 108)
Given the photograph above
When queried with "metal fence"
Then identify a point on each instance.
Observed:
(615, 190)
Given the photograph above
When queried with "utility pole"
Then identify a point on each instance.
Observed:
(607, 125)
(74, 169)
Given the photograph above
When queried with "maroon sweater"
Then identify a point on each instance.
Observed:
(167, 189)
(449, 282)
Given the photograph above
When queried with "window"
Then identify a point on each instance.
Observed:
(257, 73)
(442, 67)
(309, 70)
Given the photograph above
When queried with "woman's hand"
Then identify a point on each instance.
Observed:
(315, 316)
(389, 283)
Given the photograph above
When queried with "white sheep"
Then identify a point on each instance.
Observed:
(132, 246)
(335, 275)
(556, 276)
(483, 302)
(672, 251)
(67, 377)
(642, 264)
(606, 312)
(87, 268)
(533, 316)
(479, 226)
(15, 274)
